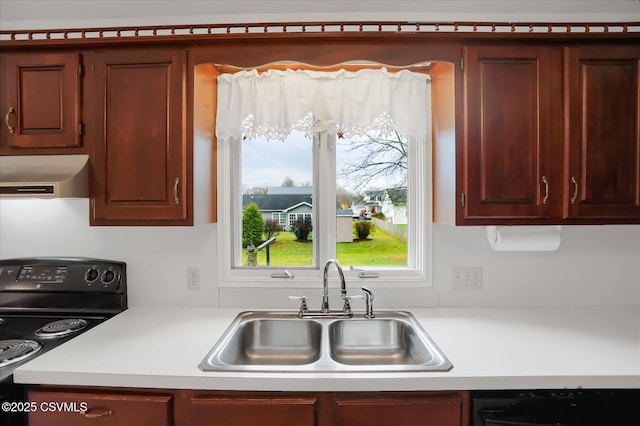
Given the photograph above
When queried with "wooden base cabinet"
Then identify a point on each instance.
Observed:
(411, 410)
(157, 407)
(249, 410)
(66, 408)
(328, 409)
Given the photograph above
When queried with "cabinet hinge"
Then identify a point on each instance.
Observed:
(81, 129)
(80, 71)
(93, 69)
(462, 200)
(461, 63)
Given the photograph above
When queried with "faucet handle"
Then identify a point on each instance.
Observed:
(347, 298)
(357, 296)
(303, 302)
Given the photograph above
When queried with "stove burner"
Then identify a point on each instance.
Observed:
(12, 351)
(61, 327)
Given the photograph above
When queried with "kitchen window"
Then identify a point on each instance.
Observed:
(336, 164)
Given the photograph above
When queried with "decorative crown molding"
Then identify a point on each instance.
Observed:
(311, 28)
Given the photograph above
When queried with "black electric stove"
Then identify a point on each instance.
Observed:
(45, 302)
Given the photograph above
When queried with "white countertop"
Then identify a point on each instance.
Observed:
(489, 348)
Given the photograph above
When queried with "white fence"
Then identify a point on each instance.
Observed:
(390, 228)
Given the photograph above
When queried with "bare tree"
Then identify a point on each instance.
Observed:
(257, 190)
(344, 198)
(288, 182)
(375, 157)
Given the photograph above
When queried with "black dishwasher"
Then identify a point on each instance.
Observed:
(556, 408)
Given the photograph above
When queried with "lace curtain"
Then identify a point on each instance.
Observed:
(275, 102)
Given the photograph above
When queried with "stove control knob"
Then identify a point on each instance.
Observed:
(91, 275)
(108, 276)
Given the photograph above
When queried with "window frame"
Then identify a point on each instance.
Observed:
(418, 273)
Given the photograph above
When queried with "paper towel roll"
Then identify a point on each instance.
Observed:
(524, 238)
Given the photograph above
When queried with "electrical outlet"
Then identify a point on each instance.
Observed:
(193, 278)
(467, 277)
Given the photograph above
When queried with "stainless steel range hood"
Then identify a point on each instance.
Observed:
(44, 176)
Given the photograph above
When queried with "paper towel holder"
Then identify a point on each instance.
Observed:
(524, 238)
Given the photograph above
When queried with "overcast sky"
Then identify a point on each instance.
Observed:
(268, 163)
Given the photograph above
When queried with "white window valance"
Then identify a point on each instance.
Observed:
(275, 102)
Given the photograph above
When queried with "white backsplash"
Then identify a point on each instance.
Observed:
(595, 265)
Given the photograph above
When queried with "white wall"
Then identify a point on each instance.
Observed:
(597, 265)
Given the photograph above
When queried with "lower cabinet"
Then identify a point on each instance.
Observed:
(422, 409)
(328, 409)
(70, 408)
(66, 406)
(247, 410)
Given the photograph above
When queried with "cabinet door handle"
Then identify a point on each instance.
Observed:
(575, 190)
(10, 111)
(176, 199)
(103, 413)
(545, 200)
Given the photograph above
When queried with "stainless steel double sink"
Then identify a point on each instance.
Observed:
(280, 341)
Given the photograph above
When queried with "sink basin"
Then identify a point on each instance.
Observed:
(280, 341)
(376, 342)
(273, 342)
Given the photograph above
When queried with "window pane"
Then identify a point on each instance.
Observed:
(277, 192)
(371, 191)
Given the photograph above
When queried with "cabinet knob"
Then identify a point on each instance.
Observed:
(10, 111)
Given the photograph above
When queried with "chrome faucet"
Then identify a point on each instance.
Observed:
(324, 311)
(325, 286)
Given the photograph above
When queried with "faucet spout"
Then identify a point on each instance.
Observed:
(325, 283)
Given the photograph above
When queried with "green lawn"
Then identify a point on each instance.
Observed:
(379, 249)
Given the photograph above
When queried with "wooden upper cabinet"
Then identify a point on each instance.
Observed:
(603, 156)
(42, 104)
(513, 134)
(141, 152)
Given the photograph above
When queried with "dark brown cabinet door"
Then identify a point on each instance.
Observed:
(51, 408)
(513, 143)
(445, 410)
(42, 101)
(141, 153)
(603, 176)
(209, 410)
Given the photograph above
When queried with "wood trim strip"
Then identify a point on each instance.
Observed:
(368, 27)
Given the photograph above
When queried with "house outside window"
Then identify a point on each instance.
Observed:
(281, 218)
(294, 217)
